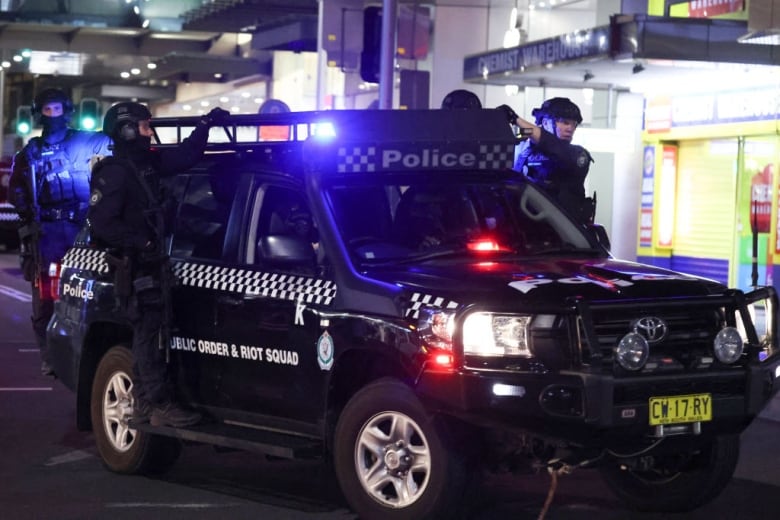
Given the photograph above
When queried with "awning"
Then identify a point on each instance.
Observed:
(631, 50)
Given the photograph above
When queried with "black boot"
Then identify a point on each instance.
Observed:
(172, 414)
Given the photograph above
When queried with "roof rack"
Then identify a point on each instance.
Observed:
(241, 131)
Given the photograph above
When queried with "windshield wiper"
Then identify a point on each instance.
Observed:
(567, 250)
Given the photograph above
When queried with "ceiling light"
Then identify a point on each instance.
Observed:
(17, 58)
(245, 94)
(217, 75)
(186, 107)
(135, 71)
(224, 99)
(6, 64)
(237, 110)
(151, 66)
(124, 74)
(26, 53)
(205, 103)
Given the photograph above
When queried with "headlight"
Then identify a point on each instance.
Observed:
(728, 345)
(488, 334)
(632, 351)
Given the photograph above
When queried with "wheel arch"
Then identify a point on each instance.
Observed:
(356, 369)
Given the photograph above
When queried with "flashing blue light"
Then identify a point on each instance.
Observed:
(323, 130)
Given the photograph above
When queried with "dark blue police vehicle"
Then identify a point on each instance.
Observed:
(379, 289)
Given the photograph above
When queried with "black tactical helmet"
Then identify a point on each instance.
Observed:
(460, 100)
(52, 95)
(121, 120)
(557, 108)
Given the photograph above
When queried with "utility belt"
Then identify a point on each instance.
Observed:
(75, 213)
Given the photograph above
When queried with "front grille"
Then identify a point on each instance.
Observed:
(687, 346)
(640, 392)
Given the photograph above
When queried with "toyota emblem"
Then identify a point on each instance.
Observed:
(653, 329)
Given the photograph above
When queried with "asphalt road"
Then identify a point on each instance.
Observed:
(49, 470)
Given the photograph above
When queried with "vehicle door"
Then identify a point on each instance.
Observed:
(205, 208)
(273, 323)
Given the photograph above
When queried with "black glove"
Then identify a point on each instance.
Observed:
(216, 116)
(511, 115)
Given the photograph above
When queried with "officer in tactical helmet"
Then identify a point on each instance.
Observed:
(49, 187)
(548, 157)
(126, 215)
(461, 99)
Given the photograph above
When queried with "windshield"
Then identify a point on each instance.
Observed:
(387, 218)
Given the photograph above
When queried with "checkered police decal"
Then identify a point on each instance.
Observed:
(231, 279)
(418, 300)
(8, 213)
(86, 259)
(496, 156)
(272, 285)
(357, 159)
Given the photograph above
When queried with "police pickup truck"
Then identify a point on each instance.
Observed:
(379, 290)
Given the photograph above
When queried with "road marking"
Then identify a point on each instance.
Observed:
(26, 389)
(15, 294)
(71, 456)
(167, 505)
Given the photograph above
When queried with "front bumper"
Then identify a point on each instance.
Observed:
(593, 408)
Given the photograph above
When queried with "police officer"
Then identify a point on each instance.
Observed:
(49, 187)
(125, 214)
(461, 99)
(548, 157)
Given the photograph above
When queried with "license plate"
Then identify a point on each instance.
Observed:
(676, 409)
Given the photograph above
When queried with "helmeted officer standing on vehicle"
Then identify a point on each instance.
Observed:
(126, 215)
(461, 99)
(549, 158)
(49, 187)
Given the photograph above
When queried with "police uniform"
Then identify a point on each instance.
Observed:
(60, 162)
(125, 199)
(554, 163)
(560, 168)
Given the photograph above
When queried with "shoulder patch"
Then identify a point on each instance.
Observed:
(583, 158)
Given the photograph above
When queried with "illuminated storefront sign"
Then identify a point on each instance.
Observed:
(664, 113)
(568, 47)
(709, 8)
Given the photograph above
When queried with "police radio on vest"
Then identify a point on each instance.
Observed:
(427, 158)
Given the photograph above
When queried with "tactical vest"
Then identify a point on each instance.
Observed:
(58, 183)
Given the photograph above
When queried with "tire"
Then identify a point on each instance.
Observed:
(122, 449)
(390, 459)
(676, 482)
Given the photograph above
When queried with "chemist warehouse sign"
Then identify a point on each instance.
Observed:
(664, 113)
(574, 46)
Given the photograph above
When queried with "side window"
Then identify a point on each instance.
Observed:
(201, 221)
(286, 237)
